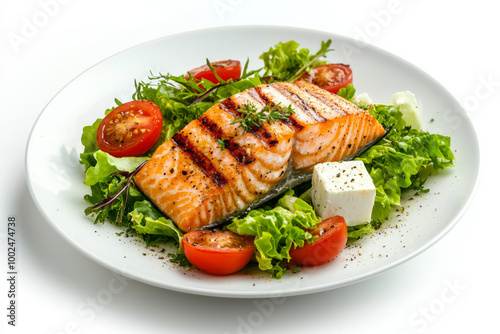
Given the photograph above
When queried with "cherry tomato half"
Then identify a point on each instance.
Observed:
(332, 238)
(225, 69)
(218, 252)
(130, 129)
(330, 77)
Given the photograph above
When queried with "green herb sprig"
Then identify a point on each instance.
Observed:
(109, 199)
(221, 142)
(250, 116)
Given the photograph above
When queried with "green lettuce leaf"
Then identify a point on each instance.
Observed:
(276, 230)
(402, 160)
(286, 61)
(106, 164)
(89, 142)
(347, 92)
(356, 232)
(152, 226)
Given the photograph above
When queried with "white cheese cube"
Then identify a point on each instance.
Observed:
(345, 189)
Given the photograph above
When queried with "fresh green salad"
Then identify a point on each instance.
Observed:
(401, 161)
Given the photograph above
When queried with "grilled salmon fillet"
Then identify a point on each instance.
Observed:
(213, 169)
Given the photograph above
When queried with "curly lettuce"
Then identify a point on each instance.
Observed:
(404, 159)
(286, 62)
(276, 230)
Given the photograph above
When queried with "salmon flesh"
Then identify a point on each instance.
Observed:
(213, 170)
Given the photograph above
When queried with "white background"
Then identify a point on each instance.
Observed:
(449, 288)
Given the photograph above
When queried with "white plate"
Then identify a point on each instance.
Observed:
(55, 176)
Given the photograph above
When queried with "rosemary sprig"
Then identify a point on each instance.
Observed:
(221, 142)
(250, 116)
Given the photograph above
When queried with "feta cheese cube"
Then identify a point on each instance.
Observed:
(345, 189)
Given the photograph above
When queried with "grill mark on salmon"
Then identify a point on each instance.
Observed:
(233, 107)
(300, 103)
(257, 93)
(237, 192)
(293, 123)
(199, 185)
(322, 109)
(229, 106)
(199, 159)
(321, 96)
(236, 151)
(337, 104)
